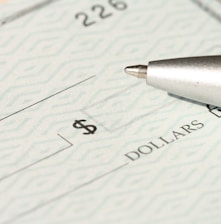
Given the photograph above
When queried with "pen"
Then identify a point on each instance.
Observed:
(196, 78)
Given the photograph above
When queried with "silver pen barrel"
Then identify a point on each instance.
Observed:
(196, 78)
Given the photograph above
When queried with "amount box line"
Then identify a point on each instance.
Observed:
(13, 173)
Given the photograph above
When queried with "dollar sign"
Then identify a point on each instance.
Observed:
(91, 129)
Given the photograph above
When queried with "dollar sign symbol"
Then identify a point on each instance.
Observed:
(91, 129)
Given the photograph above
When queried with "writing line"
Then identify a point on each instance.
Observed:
(46, 98)
(24, 12)
(208, 10)
(59, 197)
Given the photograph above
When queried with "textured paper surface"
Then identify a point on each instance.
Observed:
(54, 71)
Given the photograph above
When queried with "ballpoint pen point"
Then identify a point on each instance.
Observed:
(139, 71)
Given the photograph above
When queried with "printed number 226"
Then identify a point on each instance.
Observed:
(102, 12)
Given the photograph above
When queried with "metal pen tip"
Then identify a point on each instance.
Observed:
(139, 71)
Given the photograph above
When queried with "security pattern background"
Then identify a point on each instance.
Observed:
(61, 62)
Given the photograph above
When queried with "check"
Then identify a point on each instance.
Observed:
(81, 142)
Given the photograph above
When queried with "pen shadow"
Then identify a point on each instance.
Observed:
(187, 100)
